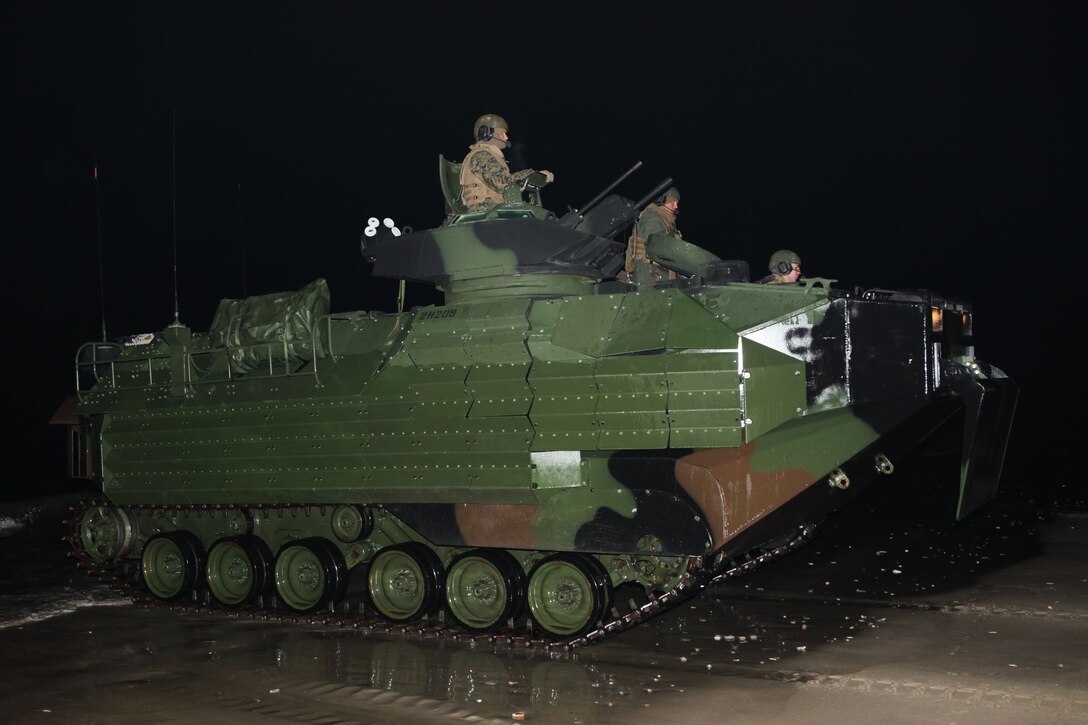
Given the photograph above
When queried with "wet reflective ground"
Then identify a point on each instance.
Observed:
(891, 614)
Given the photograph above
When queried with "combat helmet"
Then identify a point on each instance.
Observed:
(484, 128)
(671, 193)
(783, 260)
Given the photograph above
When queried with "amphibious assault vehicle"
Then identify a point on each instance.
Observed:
(501, 464)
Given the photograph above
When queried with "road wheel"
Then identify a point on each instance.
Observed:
(172, 564)
(406, 582)
(239, 570)
(484, 588)
(568, 594)
(310, 574)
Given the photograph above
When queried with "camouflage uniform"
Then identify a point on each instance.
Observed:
(654, 219)
(484, 174)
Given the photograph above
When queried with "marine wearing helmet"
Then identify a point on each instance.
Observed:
(784, 267)
(657, 218)
(484, 172)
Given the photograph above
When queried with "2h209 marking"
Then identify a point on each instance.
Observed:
(434, 314)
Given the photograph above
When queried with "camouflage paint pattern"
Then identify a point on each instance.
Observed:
(538, 410)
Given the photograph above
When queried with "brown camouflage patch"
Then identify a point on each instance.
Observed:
(731, 495)
(508, 526)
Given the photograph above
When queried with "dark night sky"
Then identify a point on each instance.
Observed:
(891, 144)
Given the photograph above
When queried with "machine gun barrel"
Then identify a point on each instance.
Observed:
(608, 189)
(658, 190)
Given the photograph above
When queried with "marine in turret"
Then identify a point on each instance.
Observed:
(485, 172)
(784, 268)
(657, 218)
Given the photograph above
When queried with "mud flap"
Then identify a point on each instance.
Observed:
(990, 405)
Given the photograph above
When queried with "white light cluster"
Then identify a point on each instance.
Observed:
(372, 225)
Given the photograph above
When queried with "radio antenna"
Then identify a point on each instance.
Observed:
(174, 203)
(101, 271)
(242, 238)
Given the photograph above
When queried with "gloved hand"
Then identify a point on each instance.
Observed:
(548, 175)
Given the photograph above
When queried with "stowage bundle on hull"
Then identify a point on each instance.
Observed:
(500, 464)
